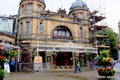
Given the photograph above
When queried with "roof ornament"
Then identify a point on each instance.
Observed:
(62, 12)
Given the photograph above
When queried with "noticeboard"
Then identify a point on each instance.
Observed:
(38, 63)
(38, 59)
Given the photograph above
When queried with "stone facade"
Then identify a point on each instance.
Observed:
(54, 34)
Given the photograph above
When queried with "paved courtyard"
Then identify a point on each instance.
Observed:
(58, 75)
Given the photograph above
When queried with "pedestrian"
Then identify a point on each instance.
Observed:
(12, 65)
(77, 65)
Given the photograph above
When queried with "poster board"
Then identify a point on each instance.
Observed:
(7, 67)
(38, 63)
(117, 67)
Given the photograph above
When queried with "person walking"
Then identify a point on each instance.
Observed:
(77, 65)
(12, 65)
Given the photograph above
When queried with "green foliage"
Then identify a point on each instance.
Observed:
(99, 58)
(34, 54)
(91, 57)
(3, 73)
(5, 59)
(13, 54)
(103, 57)
(105, 53)
(112, 36)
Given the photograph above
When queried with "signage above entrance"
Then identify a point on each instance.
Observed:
(66, 49)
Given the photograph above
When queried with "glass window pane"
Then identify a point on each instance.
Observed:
(30, 5)
(27, 27)
(81, 32)
(62, 33)
(81, 16)
(38, 8)
(55, 33)
(67, 34)
(41, 27)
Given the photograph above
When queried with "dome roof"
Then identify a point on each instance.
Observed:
(78, 4)
(42, 1)
(37, 0)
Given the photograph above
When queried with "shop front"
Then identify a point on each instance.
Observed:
(62, 56)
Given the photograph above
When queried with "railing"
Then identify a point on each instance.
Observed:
(52, 38)
(31, 67)
(25, 67)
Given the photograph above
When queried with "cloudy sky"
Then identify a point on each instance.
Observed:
(110, 8)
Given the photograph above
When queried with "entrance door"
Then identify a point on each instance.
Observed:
(42, 54)
(64, 59)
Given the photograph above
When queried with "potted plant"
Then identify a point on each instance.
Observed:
(3, 73)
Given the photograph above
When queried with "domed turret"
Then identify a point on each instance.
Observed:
(32, 7)
(80, 11)
(78, 5)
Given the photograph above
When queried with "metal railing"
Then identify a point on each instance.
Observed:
(31, 67)
(25, 67)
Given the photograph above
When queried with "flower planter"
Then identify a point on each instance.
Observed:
(1, 78)
(104, 73)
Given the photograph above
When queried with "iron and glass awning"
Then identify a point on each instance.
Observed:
(66, 48)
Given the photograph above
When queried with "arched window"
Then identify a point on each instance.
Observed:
(39, 8)
(81, 32)
(30, 6)
(62, 32)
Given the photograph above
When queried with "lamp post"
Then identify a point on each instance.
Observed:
(17, 37)
(17, 32)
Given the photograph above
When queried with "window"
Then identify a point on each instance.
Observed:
(28, 27)
(41, 27)
(81, 32)
(87, 17)
(38, 8)
(62, 32)
(29, 7)
(21, 24)
(81, 16)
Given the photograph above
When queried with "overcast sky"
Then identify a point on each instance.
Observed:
(108, 7)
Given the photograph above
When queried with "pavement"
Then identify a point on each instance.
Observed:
(59, 75)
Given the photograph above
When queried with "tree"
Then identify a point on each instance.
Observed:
(112, 40)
